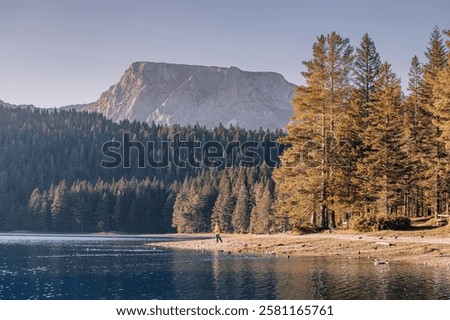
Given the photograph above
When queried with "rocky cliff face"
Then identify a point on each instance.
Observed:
(185, 94)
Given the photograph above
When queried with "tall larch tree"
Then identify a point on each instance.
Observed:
(367, 66)
(351, 132)
(420, 143)
(441, 94)
(385, 163)
(318, 109)
(436, 62)
(441, 110)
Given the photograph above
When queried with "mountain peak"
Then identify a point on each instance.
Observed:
(168, 93)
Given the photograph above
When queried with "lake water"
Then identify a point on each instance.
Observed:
(122, 267)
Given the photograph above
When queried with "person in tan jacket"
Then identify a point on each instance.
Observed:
(217, 232)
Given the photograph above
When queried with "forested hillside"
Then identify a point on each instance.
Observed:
(52, 178)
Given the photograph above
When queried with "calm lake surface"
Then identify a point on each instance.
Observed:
(122, 267)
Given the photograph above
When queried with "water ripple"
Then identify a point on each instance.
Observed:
(53, 267)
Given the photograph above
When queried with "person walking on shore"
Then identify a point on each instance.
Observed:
(217, 232)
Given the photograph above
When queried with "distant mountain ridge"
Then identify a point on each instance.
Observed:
(22, 106)
(186, 94)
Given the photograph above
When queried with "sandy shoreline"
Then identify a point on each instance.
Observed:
(392, 246)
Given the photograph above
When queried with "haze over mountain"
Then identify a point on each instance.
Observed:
(186, 94)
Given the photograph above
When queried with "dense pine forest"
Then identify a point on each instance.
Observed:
(358, 153)
(365, 150)
(52, 177)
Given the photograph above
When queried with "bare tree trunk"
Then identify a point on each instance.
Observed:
(323, 216)
(406, 203)
(446, 202)
(332, 219)
(313, 218)
(314, 211)
(438, 198)
(416, 206)
(323, 191)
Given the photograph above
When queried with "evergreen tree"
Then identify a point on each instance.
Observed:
(81, 214)
(117, 216)
(420, 143)
(367, 65)
(35, 207)
(441, 97)
(318, 109)
(224, 205)
(167, 214)
(436, 61)
(45, 215)
(262, 212)
(349, 196)
(183, 216)
(34, 204)
(240, 218)
(440, 110)
(60, 208)
(385, 165)
(102, 213)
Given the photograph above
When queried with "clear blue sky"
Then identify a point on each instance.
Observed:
(61, 52)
